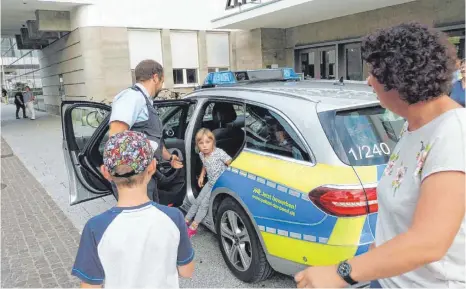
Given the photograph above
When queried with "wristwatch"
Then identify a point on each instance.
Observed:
(344, 271)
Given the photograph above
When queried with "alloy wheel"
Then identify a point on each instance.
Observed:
(235, 240)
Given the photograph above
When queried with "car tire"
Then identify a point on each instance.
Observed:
(245, 243)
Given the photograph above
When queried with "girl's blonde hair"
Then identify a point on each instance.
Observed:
(204, 132)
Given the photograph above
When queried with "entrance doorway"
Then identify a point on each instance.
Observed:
(319, 63)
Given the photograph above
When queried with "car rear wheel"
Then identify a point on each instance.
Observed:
(239, 244)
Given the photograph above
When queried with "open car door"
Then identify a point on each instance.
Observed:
(84, 125)
(175, 116)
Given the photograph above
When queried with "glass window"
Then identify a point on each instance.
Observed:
(327, 64)
(85, 121)
(362, 137)
(208, 111)
(178, 76)
(211, 70)
(223, 69)
(266, 131)
(191, 75)
(6, 47)
(353, 63)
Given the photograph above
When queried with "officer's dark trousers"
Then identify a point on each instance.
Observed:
(152, 191)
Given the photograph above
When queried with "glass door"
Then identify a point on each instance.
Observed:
(327, 63)
(353, 62)
(307, 63)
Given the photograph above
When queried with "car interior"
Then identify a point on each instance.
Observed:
(226, 121)
(171, 182)
(266, 131)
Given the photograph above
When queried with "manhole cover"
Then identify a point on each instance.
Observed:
(2, 186)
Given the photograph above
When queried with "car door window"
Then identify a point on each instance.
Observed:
(268, 132)
(85, 121)
(175, 118)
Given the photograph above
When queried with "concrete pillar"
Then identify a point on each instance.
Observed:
(337, 74)
(167, 58)
(232, 44)
(290, 58)
(341, 60)
(248, 49)
(317, 64)
(202, 50)
(105, 53)
(53, 20)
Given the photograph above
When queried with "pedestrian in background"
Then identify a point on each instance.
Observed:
(458, 89)
(4, 95)
(420, 235)
(138, 243)
(29, 102)
(19, 102)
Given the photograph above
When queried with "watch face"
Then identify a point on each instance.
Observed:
(344, 269)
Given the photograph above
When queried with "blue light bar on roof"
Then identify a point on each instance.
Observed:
(289, 74)
(232, 77)
(219, 78)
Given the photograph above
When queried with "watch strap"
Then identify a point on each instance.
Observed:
(347, 277)
(349, 280)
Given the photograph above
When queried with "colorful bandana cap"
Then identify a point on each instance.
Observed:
(128, 148)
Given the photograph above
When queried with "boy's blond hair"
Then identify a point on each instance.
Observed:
(204, 132)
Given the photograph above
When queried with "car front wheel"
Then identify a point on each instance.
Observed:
(239, 244)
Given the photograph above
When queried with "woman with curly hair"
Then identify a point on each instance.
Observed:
(420, 235)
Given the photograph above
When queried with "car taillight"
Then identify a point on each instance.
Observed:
(347, 202)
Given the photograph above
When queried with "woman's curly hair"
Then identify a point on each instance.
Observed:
(413, 59)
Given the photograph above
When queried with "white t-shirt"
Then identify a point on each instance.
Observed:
(437, 146)
(134, 247)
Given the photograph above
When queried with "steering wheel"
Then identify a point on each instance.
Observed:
(165, 173)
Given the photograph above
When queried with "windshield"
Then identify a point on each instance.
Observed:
(362, 137)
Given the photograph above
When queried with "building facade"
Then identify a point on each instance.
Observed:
(90, 51)
(322, 39)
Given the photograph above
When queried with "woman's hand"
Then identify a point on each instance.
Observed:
(319, 277)
(200, 181)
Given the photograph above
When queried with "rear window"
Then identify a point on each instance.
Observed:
(362, 137)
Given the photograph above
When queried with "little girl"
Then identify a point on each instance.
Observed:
(214, 161)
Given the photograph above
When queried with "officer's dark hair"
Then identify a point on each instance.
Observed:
(146, 69)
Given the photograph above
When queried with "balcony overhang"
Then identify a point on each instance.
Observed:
(291, 13)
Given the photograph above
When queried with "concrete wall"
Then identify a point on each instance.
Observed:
(432, 12)
(258, 48)
(247, 47)
(63, 57)
(273, 46)
(94, 63)
(172, 14)
(105, 60)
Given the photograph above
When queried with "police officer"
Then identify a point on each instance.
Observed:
(132, 109)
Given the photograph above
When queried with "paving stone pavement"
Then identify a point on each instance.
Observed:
(39, 242)
(38, 144)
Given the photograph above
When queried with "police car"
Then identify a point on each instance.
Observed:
(307, 156)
